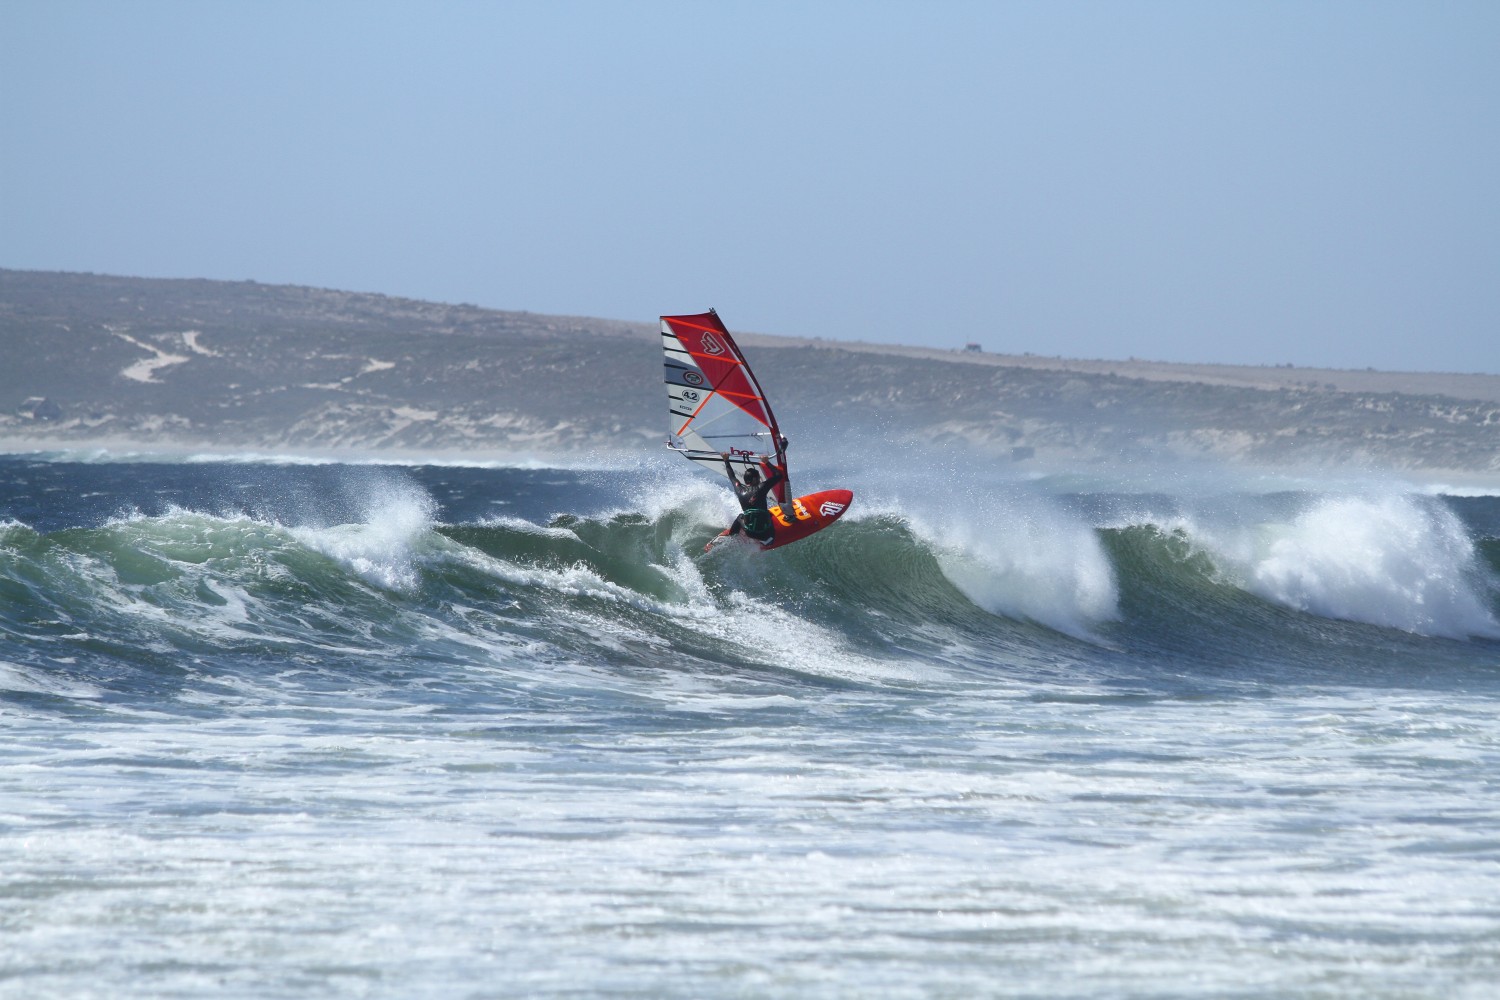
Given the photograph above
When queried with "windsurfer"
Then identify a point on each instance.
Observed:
(754, 519)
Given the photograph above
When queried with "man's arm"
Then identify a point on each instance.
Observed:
(766, 488)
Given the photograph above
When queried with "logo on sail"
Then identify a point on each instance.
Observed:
(692, 378)
(710, 344)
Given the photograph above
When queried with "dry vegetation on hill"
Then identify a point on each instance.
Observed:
(164, 363)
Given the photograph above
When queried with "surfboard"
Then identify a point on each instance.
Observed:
(717, 411)
(796, 520)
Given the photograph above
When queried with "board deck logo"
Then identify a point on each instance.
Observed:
(830, 509)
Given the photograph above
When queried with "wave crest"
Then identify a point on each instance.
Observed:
(1403, 562)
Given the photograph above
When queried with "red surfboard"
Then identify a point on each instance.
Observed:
(800, 518)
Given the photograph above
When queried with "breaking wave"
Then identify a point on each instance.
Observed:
(1020, 581)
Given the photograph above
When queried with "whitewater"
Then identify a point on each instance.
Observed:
(288, 728)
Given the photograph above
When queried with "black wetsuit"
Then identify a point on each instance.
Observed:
(754, 519)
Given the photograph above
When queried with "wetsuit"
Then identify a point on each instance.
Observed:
(754, 519)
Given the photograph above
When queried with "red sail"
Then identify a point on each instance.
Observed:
(717, 407)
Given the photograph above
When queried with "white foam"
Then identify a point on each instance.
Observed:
(1398, 561)
(9, 526)
(31, 680)
(381, 548)
(575, 580)
(525, 527)
(1468, 490)
(659, 487)
(1021, 556)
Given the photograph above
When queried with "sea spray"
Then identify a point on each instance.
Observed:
(1021, 556)
(1400, 561)
(380, 548)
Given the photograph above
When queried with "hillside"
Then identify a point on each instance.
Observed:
(193, 363)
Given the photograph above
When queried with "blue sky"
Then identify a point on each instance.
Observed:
(1315, 183)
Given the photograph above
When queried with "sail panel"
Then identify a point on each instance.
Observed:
(715, 405)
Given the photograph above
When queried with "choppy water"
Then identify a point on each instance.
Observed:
(278, 729)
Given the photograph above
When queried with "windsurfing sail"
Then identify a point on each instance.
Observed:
(716, 405)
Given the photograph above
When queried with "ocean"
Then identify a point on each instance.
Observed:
(295, 728)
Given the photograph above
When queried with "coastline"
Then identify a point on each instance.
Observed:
(161, 364)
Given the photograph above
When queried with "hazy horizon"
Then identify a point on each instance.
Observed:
(1259, 185)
